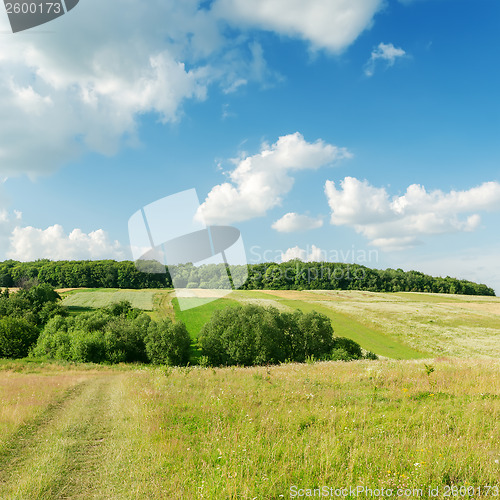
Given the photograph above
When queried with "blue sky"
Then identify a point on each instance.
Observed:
(317, 128)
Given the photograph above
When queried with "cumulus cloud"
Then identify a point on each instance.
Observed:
(259, 182)
(29, 243)
(325, 24)
(384, 52)
(314, 254)
(292, 222)
(26, 243)
(83, 86)
(398, 222)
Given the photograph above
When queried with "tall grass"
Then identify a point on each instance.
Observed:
(253, 433)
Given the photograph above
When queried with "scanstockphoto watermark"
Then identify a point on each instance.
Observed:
(170, 232)
(351, 255)
(27, 14)
(382, 492)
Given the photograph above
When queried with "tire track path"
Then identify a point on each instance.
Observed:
(60, 454)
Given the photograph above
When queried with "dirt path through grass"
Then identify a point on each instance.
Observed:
(60, 454)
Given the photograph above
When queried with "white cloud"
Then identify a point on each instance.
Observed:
(29, 243)
(325, 24)
(315, 255)
(384, 52)
(83, 86)
(259, 182)
(26, 243)
(292, 222)
(398, 222)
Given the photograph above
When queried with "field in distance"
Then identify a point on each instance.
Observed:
(394, 325)
(90, 298)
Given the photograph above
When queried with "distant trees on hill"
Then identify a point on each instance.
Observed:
(293, 275)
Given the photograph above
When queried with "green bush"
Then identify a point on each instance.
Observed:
(17, 335)
(339, 354)
(123, 308)
(353, 349)
(168, 343)
(317, 335)
(54, 341)
(88, 346)
(253, 335)
(243, 335)
(124, 339)
(95, 337)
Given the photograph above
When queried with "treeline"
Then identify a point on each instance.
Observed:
(33, 323)
(293, 275)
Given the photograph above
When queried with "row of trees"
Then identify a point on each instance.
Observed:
(33, 322)
(117, 334)
(243, 335)
(292, 275)
(254, 335)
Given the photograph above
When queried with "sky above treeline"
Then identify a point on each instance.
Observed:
(361, 131)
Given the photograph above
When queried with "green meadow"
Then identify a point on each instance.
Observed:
(425, 415)
(393, 325)
(86, 431)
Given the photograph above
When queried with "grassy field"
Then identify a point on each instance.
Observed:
(393, 325)
(131, 433)
(369, 338)
(405, 325)
(102, 297)
(195, 318)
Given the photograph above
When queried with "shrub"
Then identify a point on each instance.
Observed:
(247, 335)
(124, 339)
(94, 337)
(339, 354)
(168, 343)
(17, 335)
(352, 348)
(88, 346)
(253, 335)
(122, 308)
(317, 333)
(91, 321)
(54, 341)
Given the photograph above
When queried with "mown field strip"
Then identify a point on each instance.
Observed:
(195, 318)
(92, 299)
